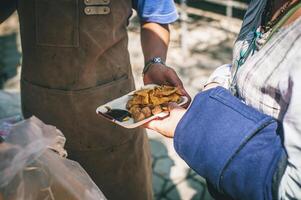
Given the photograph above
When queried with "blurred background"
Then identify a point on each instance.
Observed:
(201, 40)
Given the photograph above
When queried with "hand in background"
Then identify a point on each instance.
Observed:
(162, 75)
(167, 126)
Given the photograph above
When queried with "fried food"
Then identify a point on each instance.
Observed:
(165, 91)
(146, 111)
(135, 109)
(148, 102)
(159, 100)
(174, 98)
(138, 116)
(143, 92)
(156, 110)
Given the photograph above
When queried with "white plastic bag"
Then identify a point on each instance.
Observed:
(6, 125)
(33, 166)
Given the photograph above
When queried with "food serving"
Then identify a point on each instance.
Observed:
(152, 101)
(141, 106)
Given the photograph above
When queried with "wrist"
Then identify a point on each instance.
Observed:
(151, 62)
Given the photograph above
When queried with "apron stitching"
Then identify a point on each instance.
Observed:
(75, 92)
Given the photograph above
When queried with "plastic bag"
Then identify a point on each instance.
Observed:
(33, 166)
(6, 125)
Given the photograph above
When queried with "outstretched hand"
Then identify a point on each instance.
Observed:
(162, 75)
(167, 125)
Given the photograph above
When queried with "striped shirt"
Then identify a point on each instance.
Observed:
(270, 81)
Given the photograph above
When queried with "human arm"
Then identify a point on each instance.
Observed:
(155, 17)
(233, 146)
(167, 126)
(7, 7)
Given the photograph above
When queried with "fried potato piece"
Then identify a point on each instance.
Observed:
(136, 100)
(159, 100)
(129, 104)
(146, 111)
(156, 110)
(138, 116)
(134, 109)
(143, 92)
(145, 100)
(174, 98)
(164, 91)
(148, 102)
(179, 92)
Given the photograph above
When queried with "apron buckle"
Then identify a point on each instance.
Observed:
(97, 10)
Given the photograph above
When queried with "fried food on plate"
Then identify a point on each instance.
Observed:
(146, 111)
(156, 110)
(148, 102)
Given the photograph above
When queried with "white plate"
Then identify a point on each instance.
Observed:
(120, 103)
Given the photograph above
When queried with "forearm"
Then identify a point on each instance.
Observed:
(7, 7)
(232, 145)
(154, 40)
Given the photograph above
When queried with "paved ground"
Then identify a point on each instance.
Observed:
(209, 44)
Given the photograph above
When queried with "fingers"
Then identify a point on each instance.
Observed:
(156, 125)
(173, 78)
(167, 125)
(183, 91)
(152, 124)
(189, 100)
(163, 75)
(147, 80)
(160, 127)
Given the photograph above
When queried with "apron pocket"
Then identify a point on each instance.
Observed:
(74, 113)
(57, 23)
(96, 132)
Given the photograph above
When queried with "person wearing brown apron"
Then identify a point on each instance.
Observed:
(75, 58)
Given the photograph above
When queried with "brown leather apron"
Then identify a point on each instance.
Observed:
(75, 58)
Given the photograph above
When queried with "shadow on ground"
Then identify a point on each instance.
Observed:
(164, 186)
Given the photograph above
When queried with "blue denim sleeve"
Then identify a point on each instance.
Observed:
(158, 11)
(233, 146)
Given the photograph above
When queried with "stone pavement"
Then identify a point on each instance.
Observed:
(209, 43)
